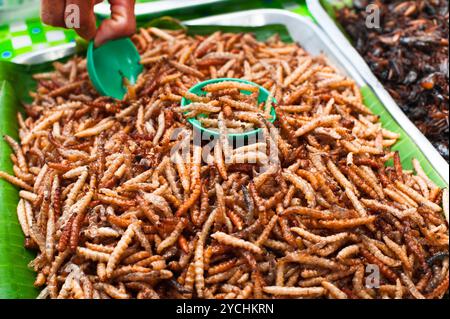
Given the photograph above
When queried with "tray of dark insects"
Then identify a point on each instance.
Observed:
(103, 198)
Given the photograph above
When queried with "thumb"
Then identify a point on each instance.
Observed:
(121, 24)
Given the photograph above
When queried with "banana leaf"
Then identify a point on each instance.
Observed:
(16, 279)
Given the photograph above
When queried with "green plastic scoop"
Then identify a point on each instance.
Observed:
(198, 90)
(110, 63)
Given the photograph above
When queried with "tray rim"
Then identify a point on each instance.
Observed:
(103, 9)
(328, 26)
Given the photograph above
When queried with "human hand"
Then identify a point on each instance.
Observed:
(121, 24)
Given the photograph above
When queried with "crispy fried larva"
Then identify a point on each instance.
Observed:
(303, 64)
(223, 138)
(201, 108)
(421, 173)
(303, 185)
(230, 85)
(22, 217)
(186, 69)
(277, 245)
(399, 197)
(317, 122)
(50, 234)
(246, 292)
(100, 248)
(250, 157)
(345, 223)
(112, 291)
(316, 238)
(295, 108)
(304, 258)
(376, 205)
(172, 238)
(266, 232)
(79, 211)
(198, 255)
(370, 246)
(18, 152)
(367, 174)
(358, 106)
(411, 287)
(56, 116)
(219, 161)
(350, 190)
(236, 242)
(311, 292)
(71, 197)
(220, 277)
(16, 181)
(347, 252)
(417, 197)
(440, 290)
(398, 250)
(195, 182)
(93, 255)
(334, 291)
(161, 34)
(309, 212)
(385, 270)
(259, 180)
(96, 130)
(238, 105)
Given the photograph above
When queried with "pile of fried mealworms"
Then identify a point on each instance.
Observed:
(311, 211)
(409, 54)
(233, 103)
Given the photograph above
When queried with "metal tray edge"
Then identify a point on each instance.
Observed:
(103, 9)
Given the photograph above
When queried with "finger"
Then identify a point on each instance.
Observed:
(52, 12)
(121, 24)
(86, 28)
